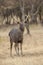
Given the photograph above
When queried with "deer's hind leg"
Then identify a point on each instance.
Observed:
(11, 43)
(21, 48)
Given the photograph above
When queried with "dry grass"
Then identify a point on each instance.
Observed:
(32, 48)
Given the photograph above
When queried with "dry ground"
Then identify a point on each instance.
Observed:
(32, 47)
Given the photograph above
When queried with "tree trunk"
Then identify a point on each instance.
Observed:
(33, 15)
(40, 14)
(22, 9)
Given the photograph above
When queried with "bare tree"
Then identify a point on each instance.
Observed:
(31, 6)
(35, 8)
